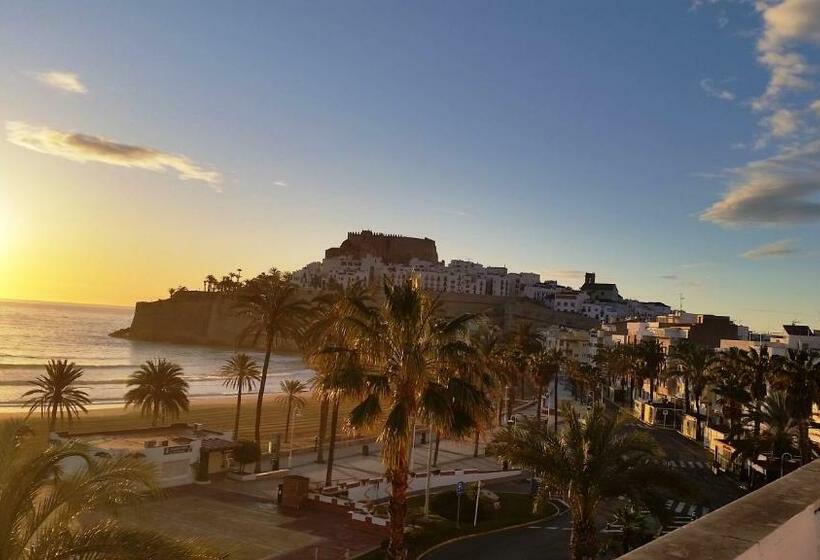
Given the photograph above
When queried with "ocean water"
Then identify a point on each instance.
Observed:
(32, 333)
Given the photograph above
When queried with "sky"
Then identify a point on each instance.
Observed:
(672, 147)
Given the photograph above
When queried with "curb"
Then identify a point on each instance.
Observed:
(500, 529)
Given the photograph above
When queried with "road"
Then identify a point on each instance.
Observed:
(543, 540)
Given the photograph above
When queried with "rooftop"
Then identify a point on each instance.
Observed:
(135, 439)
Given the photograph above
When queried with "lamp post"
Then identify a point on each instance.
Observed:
(507, 403)
(296, 414)
(781, 461)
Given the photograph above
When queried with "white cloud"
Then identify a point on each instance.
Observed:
(280, 184)
(815, 106)
(713, 91)
(779, 190)
(780, 248)
(786, 23)
(782, 122)
(85, 148)
(65, 81)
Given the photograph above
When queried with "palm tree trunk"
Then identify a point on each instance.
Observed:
(287, 420)
(398, 503)
(651, 389)
(320, 442)
(258, 423)
(803, 441)
(52, 420)
(238, 408)
(686, 395)
(501, 410)
(555, 401)
(435, 454)
(583, 541)
(757, 418)
(475, 445)
(334, 420)
(697, 419)
(538, 405)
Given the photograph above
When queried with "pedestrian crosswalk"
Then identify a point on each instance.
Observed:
(681, 464)
(683, 513)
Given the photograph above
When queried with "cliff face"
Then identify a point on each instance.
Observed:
(211, 319)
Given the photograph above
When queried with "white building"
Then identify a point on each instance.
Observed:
(173, 450)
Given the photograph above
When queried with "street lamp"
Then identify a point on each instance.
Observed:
(781, 461)
(296, 414)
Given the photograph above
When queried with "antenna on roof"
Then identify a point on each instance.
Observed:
(680, 300)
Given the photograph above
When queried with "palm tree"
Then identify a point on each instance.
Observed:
(238, 373)
(524, 342)
(41, 505)
(544, 368)
(695, 363)
(760, 368)
(291, 391)
(652, 362)
(779, 434)
(594, 459)
(159, 390)
(57, 392)
(729, 382)
(799, 377)
(397, 353)
(274, 310)
(324, 333)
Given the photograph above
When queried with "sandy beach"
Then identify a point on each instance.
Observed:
(213, 412)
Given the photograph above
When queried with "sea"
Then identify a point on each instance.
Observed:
(31, 333)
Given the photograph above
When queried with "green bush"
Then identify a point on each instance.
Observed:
(247, 452)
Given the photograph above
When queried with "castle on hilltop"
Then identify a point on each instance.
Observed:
(390, 248)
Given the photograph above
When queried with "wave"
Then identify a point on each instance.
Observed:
(188, 378)
(83, 366)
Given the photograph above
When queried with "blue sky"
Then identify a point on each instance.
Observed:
(555, 137)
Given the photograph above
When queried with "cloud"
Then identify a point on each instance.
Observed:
(782, 122)
(722, 20)
(815, 106)
(708, 86)
(280, 184)
(669, 276)
(779, 190)
(780, 248)
(453, 212)
(786, 23)
(85, 148)
(65, 81)
(563, 273)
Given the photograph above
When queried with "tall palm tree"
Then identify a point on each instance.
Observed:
(275, 311)
(40, 504)
(760, 368)
(292, 390)
(652, 363)
(544, 368)
(319, 341)
(730, 382)
(779, 433)
(799, 377)
(57, 393)
(484, 342)
(158, 388)
(524, 342)
(401, 349)
(694, 362)
(239, 373)
(594, 459)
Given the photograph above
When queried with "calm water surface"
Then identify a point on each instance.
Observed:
(32, 333)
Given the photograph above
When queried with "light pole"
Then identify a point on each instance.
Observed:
(781, 461)
(507, 403)
(296, 414)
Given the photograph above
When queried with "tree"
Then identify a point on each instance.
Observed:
(524, 342)
(271, 304)
(239, 373)
(396, 353)
(694, 362)
(730, 381)
(158, 388)
(779, 434)
(544, 367)
(291, 391)
(41, 505)
(652, 360)
(799, 377)
(594, 459)
(760, 368)
(322, 343)
(247, 453)
(56, 393)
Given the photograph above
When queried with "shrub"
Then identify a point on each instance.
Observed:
(247, 452)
